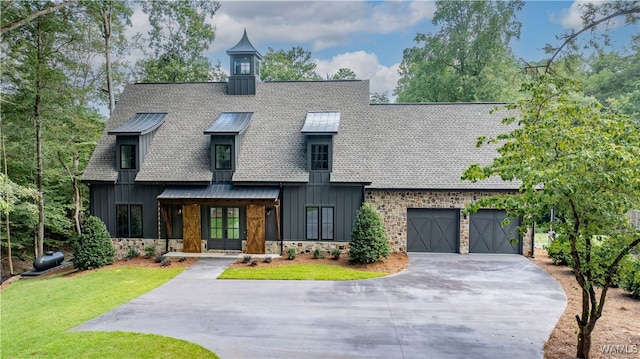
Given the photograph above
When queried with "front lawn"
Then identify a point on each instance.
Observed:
(37, 314)
(299, 272)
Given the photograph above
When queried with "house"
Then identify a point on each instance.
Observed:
(256, 167)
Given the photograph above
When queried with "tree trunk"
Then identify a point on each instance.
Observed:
(39, 245)
(584, 341)
(107, 12)
(76, 195)
(6, 178)
(39, 182)
(76, 189)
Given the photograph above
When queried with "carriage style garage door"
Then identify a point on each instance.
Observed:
(432, 230)
(486, 234)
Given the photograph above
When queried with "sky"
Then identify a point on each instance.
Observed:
(367, 36)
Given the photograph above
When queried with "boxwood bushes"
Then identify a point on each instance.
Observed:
(93, 249)
(369, 240)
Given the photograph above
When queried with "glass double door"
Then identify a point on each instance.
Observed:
(226, 228)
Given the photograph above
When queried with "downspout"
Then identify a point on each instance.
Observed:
(281, 224)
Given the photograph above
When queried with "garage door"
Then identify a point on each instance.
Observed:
(486, 234)
(432, 230)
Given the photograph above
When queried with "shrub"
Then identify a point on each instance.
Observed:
(335, 253)
(603, 253)
(369, 241)
(92, 249)
(133, 252)
(560, 251)
(267, 260)
(317, 253)
(629, 275)
(150, 251)
(292, 252)
(246, 259)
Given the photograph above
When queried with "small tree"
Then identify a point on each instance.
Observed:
(569, 153)
(369, 241)
(93, 249)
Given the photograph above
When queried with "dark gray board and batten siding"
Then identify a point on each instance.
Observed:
(346, 200)
(105, 197)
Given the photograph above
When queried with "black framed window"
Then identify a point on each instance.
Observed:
(223, 157)
(320, 222)
(129, 220)
(242, 66)
(319, 157)
(326, 218)
(128, 157)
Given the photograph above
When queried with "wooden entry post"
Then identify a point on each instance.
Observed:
(191, 237)
(255, 229)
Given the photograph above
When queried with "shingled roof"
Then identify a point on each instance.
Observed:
(428, 146)
(417, 146)
(273, 148)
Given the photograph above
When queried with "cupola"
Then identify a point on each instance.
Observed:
(244, 68)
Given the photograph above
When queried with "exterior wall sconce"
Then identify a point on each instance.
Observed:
(268, 211)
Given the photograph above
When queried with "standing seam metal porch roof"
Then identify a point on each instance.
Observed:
(220, 191)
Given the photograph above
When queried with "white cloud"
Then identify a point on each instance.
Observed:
(366, 66)
(323, 24)
(571, 18)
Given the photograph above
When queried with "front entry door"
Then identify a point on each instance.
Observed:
(225, 230)
(191, 239)
(255, 229)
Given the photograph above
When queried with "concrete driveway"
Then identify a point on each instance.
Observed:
(442, 306)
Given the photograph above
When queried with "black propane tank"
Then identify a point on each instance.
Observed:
(48, 261)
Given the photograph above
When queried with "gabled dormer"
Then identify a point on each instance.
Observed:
(319, 129)
(226, 137)
(245, 68)
(133, 139)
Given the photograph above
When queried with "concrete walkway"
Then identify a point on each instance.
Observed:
(442, 306)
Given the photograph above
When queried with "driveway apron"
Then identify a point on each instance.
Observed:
(442, 306)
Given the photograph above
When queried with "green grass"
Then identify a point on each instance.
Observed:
(299, 272)
(541, 238)
(37, 314)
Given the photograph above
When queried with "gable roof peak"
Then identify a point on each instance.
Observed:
(244, 46)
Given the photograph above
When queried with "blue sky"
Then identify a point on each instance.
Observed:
(366, 36)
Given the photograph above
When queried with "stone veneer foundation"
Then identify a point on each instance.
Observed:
(392, 206)
(123, 245)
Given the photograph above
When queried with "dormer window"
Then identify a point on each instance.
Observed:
(223, 157)
(127, 157)
(242, 66)
(133, 139)
(320, 157)
(319, 129)
(226, 136)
